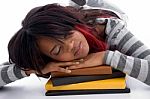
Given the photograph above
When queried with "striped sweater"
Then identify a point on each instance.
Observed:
(128, 54)
(125, 53)
(10, 73)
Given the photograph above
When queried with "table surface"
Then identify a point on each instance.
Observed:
(34, 87)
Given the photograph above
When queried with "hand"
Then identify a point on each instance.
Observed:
(93, 59)
(55, 66)
(58, 66)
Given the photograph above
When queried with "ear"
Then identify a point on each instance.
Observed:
(73, 31)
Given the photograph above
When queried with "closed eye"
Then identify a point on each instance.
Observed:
(57, 50)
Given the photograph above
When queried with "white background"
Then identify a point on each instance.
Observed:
(12, 13)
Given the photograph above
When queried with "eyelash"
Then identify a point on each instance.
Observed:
(59, 50)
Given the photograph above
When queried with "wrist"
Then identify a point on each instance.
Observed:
(103, 56)
(108, 57)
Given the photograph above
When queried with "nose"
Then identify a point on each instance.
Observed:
(70, 46)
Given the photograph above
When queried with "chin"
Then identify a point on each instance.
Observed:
(84, 53)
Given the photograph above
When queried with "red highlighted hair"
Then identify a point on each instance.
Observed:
(95, 44)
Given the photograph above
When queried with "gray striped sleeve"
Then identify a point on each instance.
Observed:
(10, 73)
(147, 81)
(130, 55)
(135, 67)
(124, 41)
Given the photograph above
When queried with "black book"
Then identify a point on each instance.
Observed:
(57, 81)
(83, 92)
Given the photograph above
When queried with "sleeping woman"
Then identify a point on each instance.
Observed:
(62, 38)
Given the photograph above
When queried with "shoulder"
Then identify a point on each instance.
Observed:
(112, 24)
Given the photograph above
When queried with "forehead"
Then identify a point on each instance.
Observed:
(48, 40)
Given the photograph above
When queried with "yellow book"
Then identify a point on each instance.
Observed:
(115, 83)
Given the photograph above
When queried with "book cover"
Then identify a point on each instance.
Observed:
(57, 81)
(114, 83)
(83, 92)
(98, 70)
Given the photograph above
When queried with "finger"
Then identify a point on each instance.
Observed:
(79, 60)
(64, 70)
(66, 64)
(75, 67)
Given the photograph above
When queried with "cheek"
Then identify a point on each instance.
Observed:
(66, 57)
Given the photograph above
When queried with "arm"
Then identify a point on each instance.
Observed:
(129, 54)
(134, 67)
(10, 73)
(100, 4)
(121, 39)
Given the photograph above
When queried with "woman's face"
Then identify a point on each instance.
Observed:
(74, 46)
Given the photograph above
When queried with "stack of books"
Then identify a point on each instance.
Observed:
(91, 80)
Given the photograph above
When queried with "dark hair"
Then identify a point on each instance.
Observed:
(51, 20)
